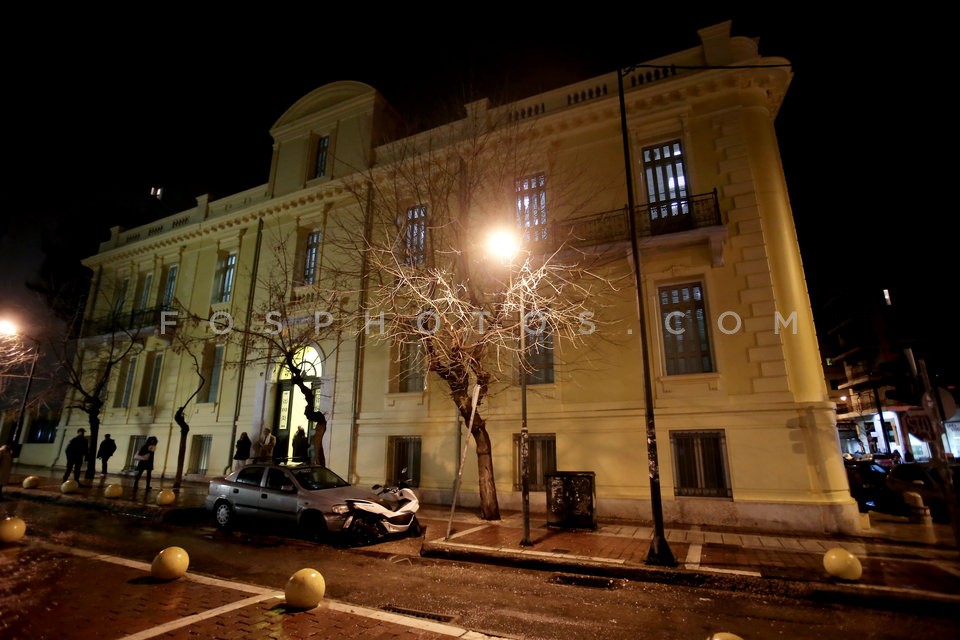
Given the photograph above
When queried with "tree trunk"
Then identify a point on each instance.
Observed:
(489, 506)
(182, 453)
(311, 414)
(93, 419)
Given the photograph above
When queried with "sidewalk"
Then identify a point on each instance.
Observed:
(904, 565)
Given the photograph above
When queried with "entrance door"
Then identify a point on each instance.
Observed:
(290, 408)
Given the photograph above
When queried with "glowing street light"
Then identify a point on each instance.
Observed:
(8, 328)
(506, 246)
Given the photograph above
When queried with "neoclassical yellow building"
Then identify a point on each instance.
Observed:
(746, 431)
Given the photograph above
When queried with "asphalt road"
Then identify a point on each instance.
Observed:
(497, 600)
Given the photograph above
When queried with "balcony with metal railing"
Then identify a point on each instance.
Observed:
(126, 321)
(676, 221)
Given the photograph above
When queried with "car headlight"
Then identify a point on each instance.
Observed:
(340, 509)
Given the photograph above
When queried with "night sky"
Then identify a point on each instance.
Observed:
(100, 107)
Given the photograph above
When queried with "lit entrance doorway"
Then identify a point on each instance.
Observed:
(291, 403)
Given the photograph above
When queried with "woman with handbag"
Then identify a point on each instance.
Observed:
(144, 460)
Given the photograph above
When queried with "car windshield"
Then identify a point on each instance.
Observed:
(313, 478)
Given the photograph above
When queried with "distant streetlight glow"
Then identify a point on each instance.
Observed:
(7, 328)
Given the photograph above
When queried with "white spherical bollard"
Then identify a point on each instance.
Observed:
(170, 564)
(723, 635)
(31, 482)
(70, 486)
(12, 529)
(305, 589)
(113, 491)
(842, 564)
(165, 497)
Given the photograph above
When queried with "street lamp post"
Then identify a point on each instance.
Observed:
(23, 404)
(659, 553)
(506, 246)
(524, 435)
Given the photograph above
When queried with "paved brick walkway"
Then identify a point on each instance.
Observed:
(54, 592)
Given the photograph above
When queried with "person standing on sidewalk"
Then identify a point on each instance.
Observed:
(267, 442)
(144, 460)
(243, 450)
(6, 466)
(76, 452)
(107, 448)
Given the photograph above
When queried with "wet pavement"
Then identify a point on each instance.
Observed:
(904, 566)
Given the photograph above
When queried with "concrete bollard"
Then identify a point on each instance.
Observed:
(919, 513)
(31, 482)
(842, 564)
(305, 589)
(170, 564)
(113, 491)
(12, 529)
(165, 497)
(70, 486)
(723, 635)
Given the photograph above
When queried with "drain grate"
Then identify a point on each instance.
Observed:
(427, 615)
(594, 582)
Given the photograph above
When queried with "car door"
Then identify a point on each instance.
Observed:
(278, 499)
(244, 492)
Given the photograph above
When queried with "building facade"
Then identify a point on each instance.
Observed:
(747, 432)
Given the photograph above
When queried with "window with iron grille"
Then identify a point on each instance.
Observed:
(700, 464)
(542, 459)
(311, 257)
(212, 369)
(403, 452)
(169, 285)
(144, 284)
(686, 334)
(532, 207)
(415, 235)
(411, 367)
(223, 279)
(539, 355)
(200, 448)
(666, 178)
(128, 369)
(151, 379)
(320, 158)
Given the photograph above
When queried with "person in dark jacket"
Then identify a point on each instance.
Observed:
(107, 448)
(301, 446)
(144, 460)
(243, 450)
(76, 452)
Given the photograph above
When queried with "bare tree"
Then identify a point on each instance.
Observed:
(86, 362)
(446, 301)
(183, 344)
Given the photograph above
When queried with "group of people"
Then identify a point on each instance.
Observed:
(263, 449)
(78, 447)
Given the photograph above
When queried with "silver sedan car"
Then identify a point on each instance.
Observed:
(310, 496)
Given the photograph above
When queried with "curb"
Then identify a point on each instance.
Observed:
(885, 598)
(146, 511)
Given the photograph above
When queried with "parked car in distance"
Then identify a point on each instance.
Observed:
(868, 484)
(924, 479)
(309, 496)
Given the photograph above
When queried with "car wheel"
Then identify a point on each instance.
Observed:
(314, 526)
(223, 514)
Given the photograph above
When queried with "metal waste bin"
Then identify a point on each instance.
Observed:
(572, 499)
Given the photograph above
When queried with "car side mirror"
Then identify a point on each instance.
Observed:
(375, 487)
